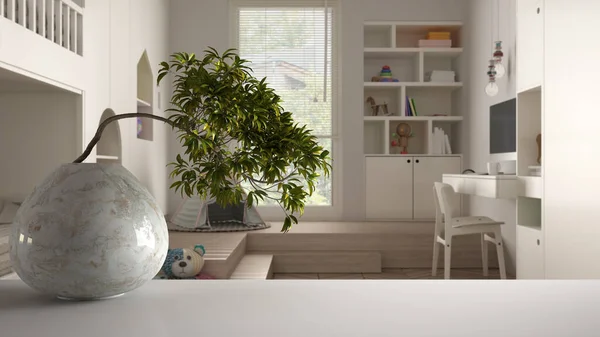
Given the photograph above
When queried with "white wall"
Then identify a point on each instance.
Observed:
(193, 27)
(38, 133)
(198, 24)
(570, 156)
(474, 130)
(116, 34)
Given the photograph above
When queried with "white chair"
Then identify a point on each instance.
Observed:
(448, 223)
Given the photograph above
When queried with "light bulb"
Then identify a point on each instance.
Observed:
(500, 70)
(491, 89)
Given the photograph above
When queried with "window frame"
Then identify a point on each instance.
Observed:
(331, 212)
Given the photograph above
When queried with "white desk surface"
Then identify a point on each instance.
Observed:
(308, 308)
(482, 176)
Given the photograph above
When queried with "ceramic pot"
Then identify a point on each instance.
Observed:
(88, 231)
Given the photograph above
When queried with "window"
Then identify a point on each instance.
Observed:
(291, 43)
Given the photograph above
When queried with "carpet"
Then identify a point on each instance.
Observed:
(221, 226)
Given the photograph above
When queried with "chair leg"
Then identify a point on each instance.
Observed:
(484, 255)
(447, 256)
(436, 256)
(500, 251)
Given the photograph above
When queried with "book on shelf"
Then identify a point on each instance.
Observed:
(435, 43)
(438, 36)
(411, 109)
(440, 142)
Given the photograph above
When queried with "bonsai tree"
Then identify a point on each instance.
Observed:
(239, 141)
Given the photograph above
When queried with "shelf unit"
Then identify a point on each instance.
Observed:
(530, 114)
(530, 230)
(399, 186)
(395, 44)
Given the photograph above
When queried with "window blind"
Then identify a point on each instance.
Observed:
(291, 44)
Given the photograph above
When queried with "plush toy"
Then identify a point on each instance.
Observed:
(183, 263)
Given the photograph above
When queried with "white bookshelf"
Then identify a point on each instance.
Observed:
(398, 186)
(396, 44)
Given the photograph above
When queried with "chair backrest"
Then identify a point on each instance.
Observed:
(445, 200)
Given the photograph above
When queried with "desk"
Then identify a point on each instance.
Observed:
(497, 187)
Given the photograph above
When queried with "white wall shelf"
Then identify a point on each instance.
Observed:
(109, 148)
(105, 157)
(414, 118)
(414, 155)
(396, 85)
(531, 187)
(393, 53)
(142, 103)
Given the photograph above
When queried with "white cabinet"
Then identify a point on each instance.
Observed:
(530, 253)
(426, 171)
(530, 43)
(389, 187)
(401, 188)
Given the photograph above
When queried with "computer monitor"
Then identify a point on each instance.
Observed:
(503, 131)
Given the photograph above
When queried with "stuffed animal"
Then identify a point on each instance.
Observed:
(183, 263)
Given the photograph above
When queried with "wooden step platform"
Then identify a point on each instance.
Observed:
(326, 262)
(327, 247)
(401, 244)
(224, 251)
(254, 267)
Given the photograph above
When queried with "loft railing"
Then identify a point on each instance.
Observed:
(60, 21)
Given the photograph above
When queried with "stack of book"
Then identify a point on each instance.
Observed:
(440, 143)
(4, 259)
(440, 76)
(437, 39)
(411, 109)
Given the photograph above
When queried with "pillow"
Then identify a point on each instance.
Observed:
(8, 210)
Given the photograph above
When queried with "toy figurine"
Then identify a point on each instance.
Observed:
(404, 132)
(384, 76)
(375, 107)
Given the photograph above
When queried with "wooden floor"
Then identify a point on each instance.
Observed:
(321, 248)
(396, 274)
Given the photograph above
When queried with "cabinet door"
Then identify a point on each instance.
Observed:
(428, 170)
(389, 188)
(530, 253)
(530, 43)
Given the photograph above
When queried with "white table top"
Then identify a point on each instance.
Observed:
(307, 308)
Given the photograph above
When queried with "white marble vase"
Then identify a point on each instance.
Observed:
(88, 231)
